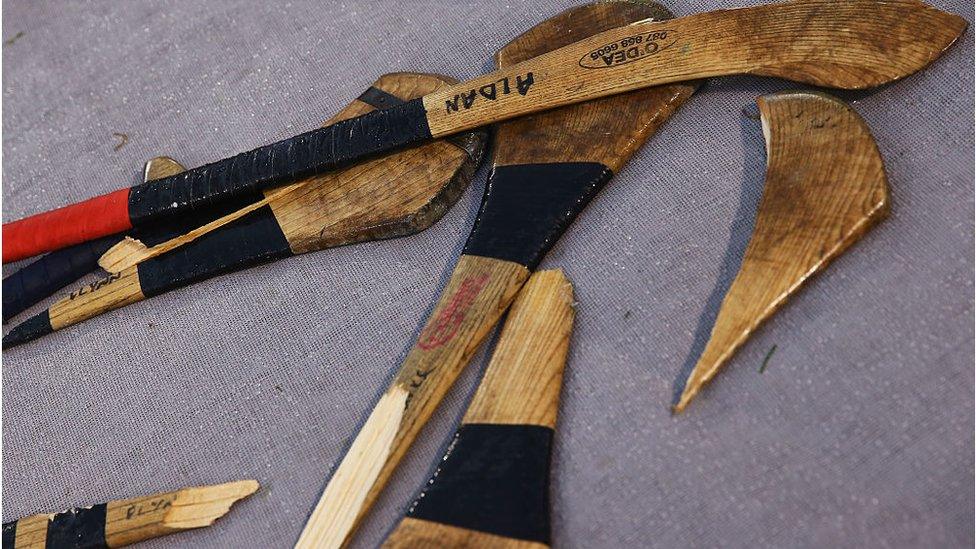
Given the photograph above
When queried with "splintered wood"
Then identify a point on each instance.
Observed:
(523, 380)
(518, 395)
(479, 291)
(356, 204)
(123, 522)
(825, 187)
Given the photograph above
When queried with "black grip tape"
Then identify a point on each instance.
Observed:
(527, 207)
(301, 156)
(494, 479)
(50, 273)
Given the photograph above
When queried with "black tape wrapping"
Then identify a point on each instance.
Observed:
(9, 535)
(301, 156)
(493, 479)
(50, 273)
(527, 207)
(57, 269)
(253, 239)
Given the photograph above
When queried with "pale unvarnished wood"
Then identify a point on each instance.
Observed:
(130, 251)
(132, 520)
(392, 195)
(339, 506)
(413, 533)
(825, 187)
(608, 130)
(523, 380)
(479, 291)
(851, 44)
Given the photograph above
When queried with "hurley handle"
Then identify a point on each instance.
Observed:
(852, 44)
(479, 291)
(312, 152)
(51, 273)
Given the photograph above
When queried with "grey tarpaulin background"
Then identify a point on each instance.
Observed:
(860, 432)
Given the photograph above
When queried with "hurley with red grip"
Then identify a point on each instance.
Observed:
(852, 45)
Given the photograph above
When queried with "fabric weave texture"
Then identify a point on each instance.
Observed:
(858, 434)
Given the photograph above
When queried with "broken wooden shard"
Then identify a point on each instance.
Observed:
(851, 44)
(546, 169)
(57, 269)
(491, 488)
(123, 522)
(395, 195)
(825, 187)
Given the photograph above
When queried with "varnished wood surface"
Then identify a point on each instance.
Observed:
(521, 386)
(133, 520)
(431, 366)
(608, 130)
(851, 44)
(479, 291)
(115, 291)
(825, 187)
(393, 195)
(414, 533)
(522, 383)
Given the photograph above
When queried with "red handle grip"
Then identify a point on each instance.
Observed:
(45, 232)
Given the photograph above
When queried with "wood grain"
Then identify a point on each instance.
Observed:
(520, 387)
(609, 130)
(393, 195)
(389, 196)
(413, 533)
(522, 383)
(825, 187)
(448, 340)
(133, 520)
(852, 44)
(479, 291)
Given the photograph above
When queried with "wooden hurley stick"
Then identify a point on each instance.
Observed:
(825, 188)
(546, 169)
(127, 521)
(491, 488)
(851, 44)
(353, 205)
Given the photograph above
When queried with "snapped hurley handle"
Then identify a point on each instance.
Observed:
(312, 152)
(871, 42)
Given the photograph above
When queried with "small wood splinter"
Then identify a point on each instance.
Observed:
(123, 522)
(825, 187)
(491, 488)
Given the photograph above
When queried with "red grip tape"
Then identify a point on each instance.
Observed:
(45, 232)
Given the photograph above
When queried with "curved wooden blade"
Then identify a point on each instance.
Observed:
(492, 486)
(825, 187)
(394, 195)
(521, 217)
(123, 522)
(852, 44)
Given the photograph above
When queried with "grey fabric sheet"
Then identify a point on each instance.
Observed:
(859, 433)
